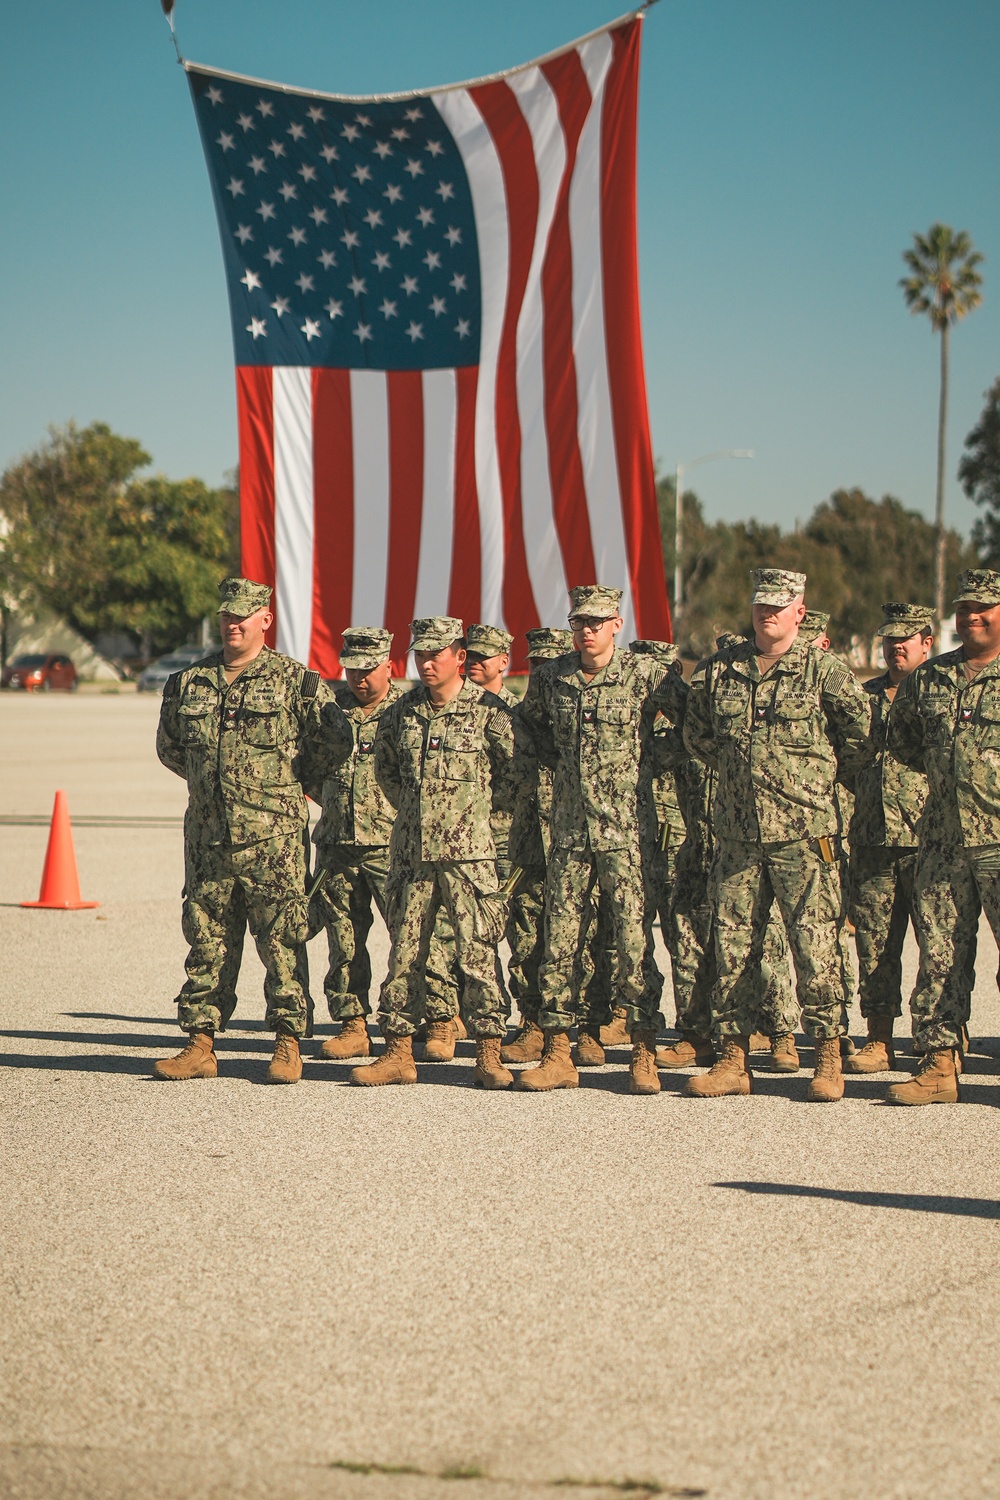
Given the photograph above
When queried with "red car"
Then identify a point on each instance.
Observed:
(39, 671)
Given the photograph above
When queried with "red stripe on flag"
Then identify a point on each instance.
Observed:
(623, 336)
(465, 585)
(333, 517)
(512, 139)
(569, 84)
(255, 418)
(406, 499)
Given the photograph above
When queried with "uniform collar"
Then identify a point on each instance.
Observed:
(572, 673)
(469, 695)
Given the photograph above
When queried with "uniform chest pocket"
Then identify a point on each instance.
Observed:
(196, 719)
(614, 729)
(731, 713)
(260, 715)
(795, 718)
(936, 713)
(989, 722)
(459, 765)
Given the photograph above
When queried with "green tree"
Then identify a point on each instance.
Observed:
(943, 282)
(109, 551)
(979, 472)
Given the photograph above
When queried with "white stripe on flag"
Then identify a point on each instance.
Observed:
(437, 522)
(370, 432)
(541, 540)
(596, 421)
(489, 205)
(293, 508)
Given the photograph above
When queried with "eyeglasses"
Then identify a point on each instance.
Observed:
(586, 622)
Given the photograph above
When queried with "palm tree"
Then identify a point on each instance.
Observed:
(943, 283)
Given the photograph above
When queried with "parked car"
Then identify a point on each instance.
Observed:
(153, 679)
(40, 671)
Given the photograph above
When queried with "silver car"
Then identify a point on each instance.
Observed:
(153, 679)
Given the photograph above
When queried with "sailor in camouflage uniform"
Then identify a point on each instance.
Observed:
(444, 757)
(591, 714)
(250, 731)
(352, 840)
(487, 657)
(778, 721)
(889, 803)
(945, 722)
(532, 842)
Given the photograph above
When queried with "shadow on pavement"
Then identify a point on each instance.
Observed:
(928, 1203)
(223, 1044)
(169, 1020)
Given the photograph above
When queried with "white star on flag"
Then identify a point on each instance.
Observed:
(311, 329)
(257, 328)
(251, 281)
(416, 331)
(363, 332)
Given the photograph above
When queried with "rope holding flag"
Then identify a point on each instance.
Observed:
(167, 6)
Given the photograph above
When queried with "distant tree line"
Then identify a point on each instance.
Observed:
(82, 535)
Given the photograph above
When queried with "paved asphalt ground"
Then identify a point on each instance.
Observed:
(220, 1289)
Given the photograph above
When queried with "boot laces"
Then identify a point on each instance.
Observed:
(827, 1057)
(282, 1048)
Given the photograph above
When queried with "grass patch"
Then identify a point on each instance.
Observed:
(640, 1489)
(349, 1468)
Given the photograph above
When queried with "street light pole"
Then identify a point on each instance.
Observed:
(682, 469)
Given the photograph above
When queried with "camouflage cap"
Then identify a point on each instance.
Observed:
(365, 646)
(813, 623)
(978, 586)
(242, 597)
(488, 640)
(662, 650)
(776, 586)
(595, 600)
(545, 644)
(900, 621)
(435, 633)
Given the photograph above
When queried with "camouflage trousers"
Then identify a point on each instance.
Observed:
(771, 995)
(746, 881)
(526, 937)
(571, 886)
(225, 889)
(441, 976)
(954, 885)
(882, 907)
(355, 881)
(415, 898)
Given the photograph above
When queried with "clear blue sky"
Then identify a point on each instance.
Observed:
(788, 150)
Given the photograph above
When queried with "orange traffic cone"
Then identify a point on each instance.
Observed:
(60, 882)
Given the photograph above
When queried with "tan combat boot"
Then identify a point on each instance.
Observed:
(784, 1054)
(353, 1041)
(935, 1081)
(827, 1084)
(555, 1071)
(286, 1064)
(759, 1042)
(642, 1075)
(877, 1055)
(588, 1052)
(197, 1060)
(529, 1039)
(439, 1045)
(616, 1034)
(396, 1064)
(730, 1074)
(489, 1072)
(689, 1051)
(461, 1035)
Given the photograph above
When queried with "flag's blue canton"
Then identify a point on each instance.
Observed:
(347, 229)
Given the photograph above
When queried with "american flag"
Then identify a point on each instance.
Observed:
(435, 310)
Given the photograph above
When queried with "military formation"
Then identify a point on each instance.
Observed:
(761, 813)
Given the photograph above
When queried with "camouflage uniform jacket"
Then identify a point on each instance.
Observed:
(445, 771)
(250, 750)
(950, 729)
(355, 808)
(593, 734)
(889, 797)
(777, 741)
